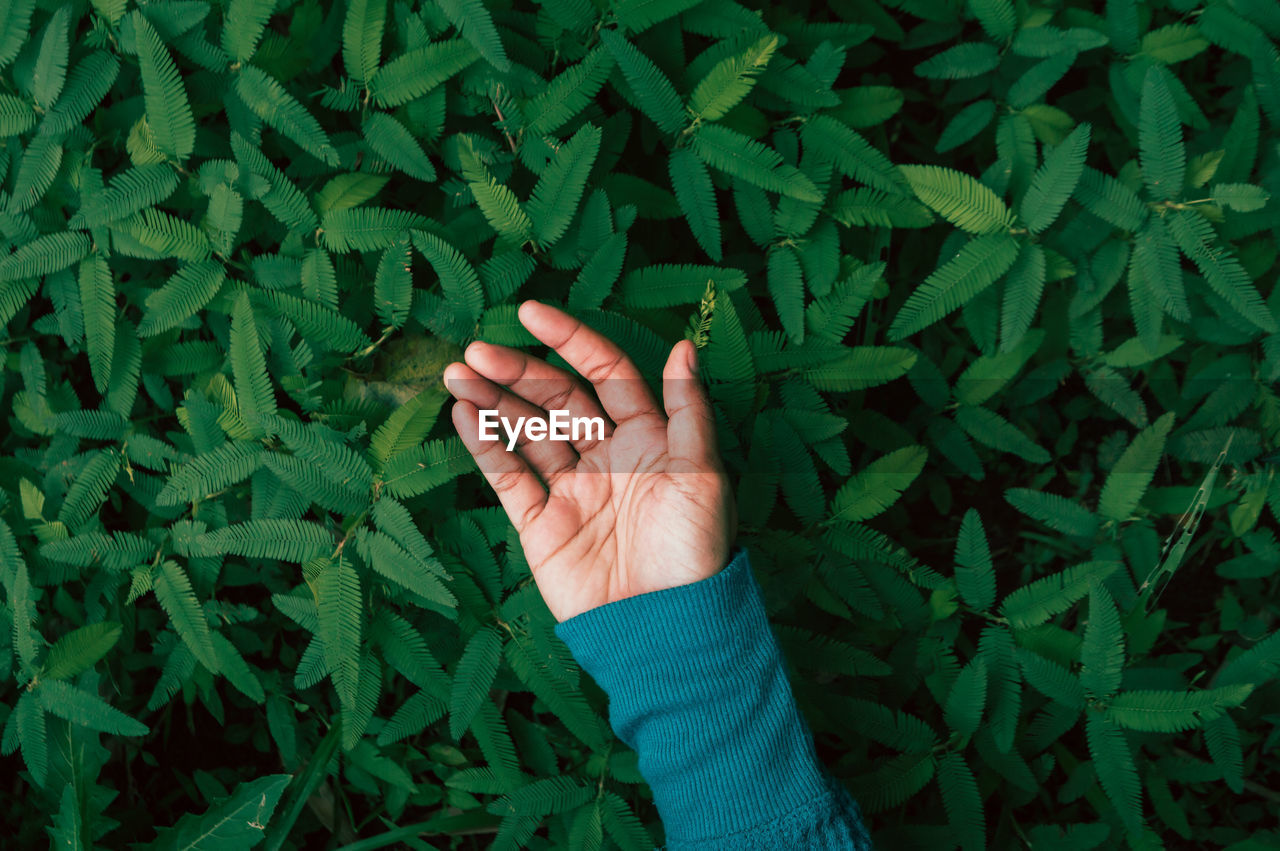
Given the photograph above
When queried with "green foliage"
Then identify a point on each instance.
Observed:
(985, 295)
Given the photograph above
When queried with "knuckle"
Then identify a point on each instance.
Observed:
(506, 480)
(560, 398)
(601, 370)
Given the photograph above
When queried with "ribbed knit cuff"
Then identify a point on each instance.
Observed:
(697, 686)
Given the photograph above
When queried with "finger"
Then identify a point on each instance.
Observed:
(550, 459)
(620, 386)
(546, 386)
(691, 425)
(518, 489)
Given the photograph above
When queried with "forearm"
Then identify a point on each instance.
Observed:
(698, 687)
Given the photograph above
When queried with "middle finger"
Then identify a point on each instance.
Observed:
(550, 459)
(546, 386)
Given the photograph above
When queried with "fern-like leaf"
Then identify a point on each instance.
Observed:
(160, 234)
(990, 429)
(966, 124)
(405, 428)
(168, 109)
(959, 198)
(44, 255)
(29, 722)
(879, 485)
(16, 116)
(210, 472)
(393, 284)
(271, 102)
(1022, 291)
(498, 203)
(475, 24)
(555, 198)
(391, 561)
(458, 279)
(1131, 474)
(975, 575)
(87, 84)
(654, 93)
(543, 797)
(866, 207)
(960, 62)
(598, 275)
(296, 541)
(64, 700)
(665, 285)
(962, 802)
(860, 367)
(38, 169)
(362, 38)
(129, 192)
(1221, 268)
(997, 17)
(1254, 665)
(117, 551)
(1163, 158)
(324, 328)
(968, 695)
(1040, 600)
(254, 393)
(640, 15)
(1174, 711)
(243, 27)
(785, 280)
(98, 305)
(411, 75)
(1222, 740)
(568, 93)
(1051, 679)
(1055, 511)
(89, 490)
(80, 649)
(851, 154)
(178, 599)
(1114, 767)
(285, 201)
(730, 80)
(389, 139)
(746, 159)
(1102, 653)
(412, 717)
(424, 467)
(184, 295)
(49, 71)
(394, 519)
(476, 670)
(977, 265)
(366, 228)
(1056, 180)
(339, 607)
(1110, 200)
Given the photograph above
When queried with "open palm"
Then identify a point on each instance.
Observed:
(645, 508)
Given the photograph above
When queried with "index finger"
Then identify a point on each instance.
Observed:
(618, 384)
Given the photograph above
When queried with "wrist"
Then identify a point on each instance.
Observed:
(697, 686)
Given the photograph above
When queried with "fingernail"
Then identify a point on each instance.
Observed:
(693, 359)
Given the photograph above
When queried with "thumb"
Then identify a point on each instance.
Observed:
(691, 425)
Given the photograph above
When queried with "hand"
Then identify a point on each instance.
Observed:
(645, 508)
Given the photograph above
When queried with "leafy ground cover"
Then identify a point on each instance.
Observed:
(986, 294)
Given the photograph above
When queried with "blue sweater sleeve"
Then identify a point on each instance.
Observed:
(697, 685)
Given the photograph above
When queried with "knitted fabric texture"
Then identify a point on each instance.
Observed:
(698, 687)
